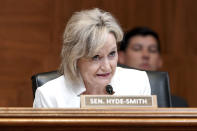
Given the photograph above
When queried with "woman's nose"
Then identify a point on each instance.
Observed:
(105, 65)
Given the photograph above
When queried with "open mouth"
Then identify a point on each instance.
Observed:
(104, 75)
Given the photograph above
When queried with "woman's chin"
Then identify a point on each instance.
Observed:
(103, 83)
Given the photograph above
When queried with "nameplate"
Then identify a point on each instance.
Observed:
(112, 101)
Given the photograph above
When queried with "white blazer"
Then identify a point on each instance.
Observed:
(60, 93)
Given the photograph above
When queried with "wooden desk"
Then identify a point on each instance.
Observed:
(14, 119)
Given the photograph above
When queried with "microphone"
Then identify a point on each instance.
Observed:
(109, 89)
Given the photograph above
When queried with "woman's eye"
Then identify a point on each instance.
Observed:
(113, 53)
(95, 58)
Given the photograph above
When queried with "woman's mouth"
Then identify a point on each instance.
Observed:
(104, 75)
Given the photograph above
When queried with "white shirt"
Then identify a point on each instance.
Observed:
(60, 93)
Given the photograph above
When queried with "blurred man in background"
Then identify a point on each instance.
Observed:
(141, 49)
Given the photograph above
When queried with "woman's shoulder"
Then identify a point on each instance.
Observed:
(128, 81)
(56, 85)
(130, 72)
(130, 76)
(55, 93)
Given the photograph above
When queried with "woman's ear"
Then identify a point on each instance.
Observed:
(120, 57)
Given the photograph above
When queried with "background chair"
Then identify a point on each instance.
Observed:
(158, 80)
(42, 78)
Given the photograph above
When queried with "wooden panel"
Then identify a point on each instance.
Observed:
(31, 36)
(98, 119)
(25, 33)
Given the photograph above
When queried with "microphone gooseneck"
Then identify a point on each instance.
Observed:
(109, 89)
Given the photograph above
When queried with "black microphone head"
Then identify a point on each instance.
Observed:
(109, 89)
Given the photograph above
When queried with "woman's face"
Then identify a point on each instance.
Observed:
(98, 70)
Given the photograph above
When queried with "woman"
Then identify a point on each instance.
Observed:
(89, 63)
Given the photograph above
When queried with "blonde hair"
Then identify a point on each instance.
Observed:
(84, 35)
